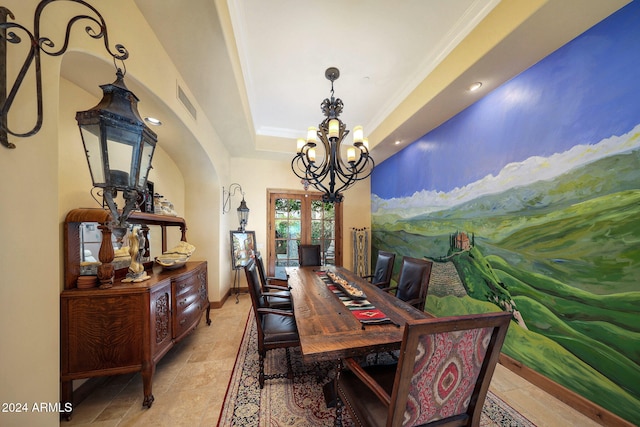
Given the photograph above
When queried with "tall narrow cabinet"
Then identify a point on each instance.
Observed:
(130, 326)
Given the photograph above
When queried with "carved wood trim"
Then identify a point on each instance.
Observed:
(162, 318)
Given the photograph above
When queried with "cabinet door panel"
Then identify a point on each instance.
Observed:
(105, 332)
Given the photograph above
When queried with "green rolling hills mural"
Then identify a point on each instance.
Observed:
(528, 200)
(564, 255)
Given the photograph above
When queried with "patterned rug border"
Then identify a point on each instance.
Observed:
(243, 401)
(242, 349)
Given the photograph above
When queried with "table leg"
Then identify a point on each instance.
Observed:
(329, 389)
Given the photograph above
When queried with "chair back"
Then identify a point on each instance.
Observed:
(309, 255)
(255, 288)
(434, 385)
(413, 282)
(383, 269)
(261, 274)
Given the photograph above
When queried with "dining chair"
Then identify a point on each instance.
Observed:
(441, 378)
(413, 281)
(309, 255)
(383, 270)
(276, 327)
(277, 289)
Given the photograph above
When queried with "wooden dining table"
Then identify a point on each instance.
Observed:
(328, 330)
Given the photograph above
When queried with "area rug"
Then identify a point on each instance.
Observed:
(301, 403)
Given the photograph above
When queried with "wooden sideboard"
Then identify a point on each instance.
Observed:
(130, 326)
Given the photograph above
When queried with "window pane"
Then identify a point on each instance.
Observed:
(330, 252)
(329, 211)
(282, 208)
(294, 208)
(294, 230)
(329, 230)
(316, 209)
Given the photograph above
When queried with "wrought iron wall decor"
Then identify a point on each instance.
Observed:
(243, 209)
(11, 32)
(340, 174)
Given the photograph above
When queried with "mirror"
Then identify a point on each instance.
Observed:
(91, 239)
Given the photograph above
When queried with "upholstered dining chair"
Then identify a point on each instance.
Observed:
(383, 270)
(429, 386)
(277, 290)
(413, 281)
(309, 255)
(276, 328)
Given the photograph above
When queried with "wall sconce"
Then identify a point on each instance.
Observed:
(243, 210)
(96, 29)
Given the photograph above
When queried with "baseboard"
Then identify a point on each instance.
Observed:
(579, 403)
(230, 293)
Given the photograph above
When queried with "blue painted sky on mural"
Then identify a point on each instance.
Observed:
(564, 100)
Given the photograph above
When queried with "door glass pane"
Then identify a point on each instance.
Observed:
(323, 229)
(287, 233)
(316, 209)
(302, 219)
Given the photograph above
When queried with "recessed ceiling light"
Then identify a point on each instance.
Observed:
(475, 86)
(397, 142)
(153, 121)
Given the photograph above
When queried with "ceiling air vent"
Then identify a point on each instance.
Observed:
(185, 101)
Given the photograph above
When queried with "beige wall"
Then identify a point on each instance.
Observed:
(29, 258)
(257, 176)
(47, 175)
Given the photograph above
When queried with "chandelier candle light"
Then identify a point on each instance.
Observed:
(341, 175)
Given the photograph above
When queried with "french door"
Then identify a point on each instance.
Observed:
(299, 218)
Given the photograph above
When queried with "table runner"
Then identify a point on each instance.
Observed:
(362, 309)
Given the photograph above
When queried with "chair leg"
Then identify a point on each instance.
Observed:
(289, 367)
(339, 407)
(338, 402)
(261, 364)
(318, 372)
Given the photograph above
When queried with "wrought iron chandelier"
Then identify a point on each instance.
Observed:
(316, 168)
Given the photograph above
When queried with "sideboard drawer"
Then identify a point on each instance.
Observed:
(185, 284)
(188, 318)
(189, 300)
(186, 299)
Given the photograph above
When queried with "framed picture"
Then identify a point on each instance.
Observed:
(243, 247)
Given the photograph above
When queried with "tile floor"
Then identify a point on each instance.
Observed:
(190, 383)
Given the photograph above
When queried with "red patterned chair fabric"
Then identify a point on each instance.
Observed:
(442, 375)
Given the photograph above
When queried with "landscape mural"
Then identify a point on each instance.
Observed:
(529, 201)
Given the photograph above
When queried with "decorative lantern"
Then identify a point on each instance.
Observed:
(119, 147)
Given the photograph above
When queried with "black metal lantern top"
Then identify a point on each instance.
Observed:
(119, 146)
